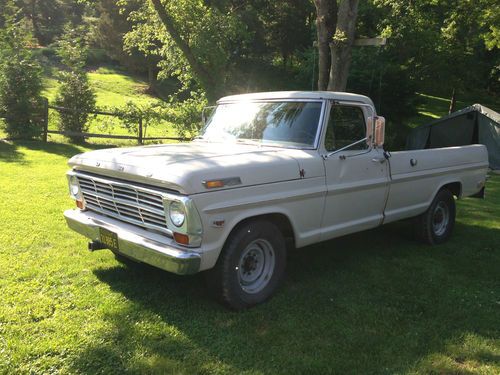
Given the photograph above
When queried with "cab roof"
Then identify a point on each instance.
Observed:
(312, 95)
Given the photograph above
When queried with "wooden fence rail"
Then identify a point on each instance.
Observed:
(140, 137)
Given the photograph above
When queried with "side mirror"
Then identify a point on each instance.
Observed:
(369, 131)
(379, 131)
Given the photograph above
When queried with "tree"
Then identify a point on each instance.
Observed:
(20, 82)
(204, 75)
(326, 20)
(74, 93)
(112, 25)
(48, 17)
(340, 48)
(336, 26)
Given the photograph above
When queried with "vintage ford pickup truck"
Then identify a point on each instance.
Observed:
(268, 171)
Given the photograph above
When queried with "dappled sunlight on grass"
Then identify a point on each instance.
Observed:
(467, 354)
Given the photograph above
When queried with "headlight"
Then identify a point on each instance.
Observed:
(74, 187)
(177, 213)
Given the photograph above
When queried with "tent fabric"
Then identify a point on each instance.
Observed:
(471, 125)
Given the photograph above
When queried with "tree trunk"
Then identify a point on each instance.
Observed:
(326, 19)
(205, 78)
(453, 102)
(152, 77)
(341, 47)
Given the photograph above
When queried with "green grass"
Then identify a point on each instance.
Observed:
(432, 107)
(374, 302)
(113, 90)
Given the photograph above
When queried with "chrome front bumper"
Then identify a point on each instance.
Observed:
(143, 246)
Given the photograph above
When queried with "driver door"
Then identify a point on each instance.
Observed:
(357, 178)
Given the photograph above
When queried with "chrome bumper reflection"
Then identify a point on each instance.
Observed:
(150, 248)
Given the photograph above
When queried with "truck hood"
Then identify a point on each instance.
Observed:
(183, 167)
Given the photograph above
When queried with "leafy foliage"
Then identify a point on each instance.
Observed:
(20, 83)
(75, 93)
(77, 97)
(186, 115)
(134, 113)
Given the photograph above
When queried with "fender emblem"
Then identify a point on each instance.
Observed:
(218, 223)
(302, 173)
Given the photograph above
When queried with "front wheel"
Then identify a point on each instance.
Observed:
(251, 265)
(436, 224)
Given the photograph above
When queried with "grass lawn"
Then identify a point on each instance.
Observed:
(432, 107)
(375, 302)
(113, 90)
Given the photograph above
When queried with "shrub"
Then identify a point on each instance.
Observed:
(75, 93)
(20, 85)
(133, 113)
(78, 99)
(186, 115)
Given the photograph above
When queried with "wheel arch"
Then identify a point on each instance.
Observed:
(281, 220)
(454, 187)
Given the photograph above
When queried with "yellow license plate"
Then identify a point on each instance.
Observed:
(108, 239)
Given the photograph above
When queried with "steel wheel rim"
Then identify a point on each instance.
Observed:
(256, 266)
(440, 219)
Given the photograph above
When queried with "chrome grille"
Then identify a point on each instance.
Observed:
(133, 204)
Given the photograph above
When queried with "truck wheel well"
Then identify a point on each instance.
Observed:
(455, 188)
(280, 220)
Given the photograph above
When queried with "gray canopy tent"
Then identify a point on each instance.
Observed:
(471, 125)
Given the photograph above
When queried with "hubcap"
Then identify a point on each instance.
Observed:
(440, 219)
(256, 266)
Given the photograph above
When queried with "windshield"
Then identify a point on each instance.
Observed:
(287, 124)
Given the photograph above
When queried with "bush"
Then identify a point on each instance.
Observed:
(186, 115)
(20, 85)
(75, 93)
(78, 98)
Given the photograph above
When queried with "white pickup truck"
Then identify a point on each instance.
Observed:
(268, 171)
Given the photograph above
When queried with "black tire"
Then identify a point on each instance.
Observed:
(436, 224)
(231, 278)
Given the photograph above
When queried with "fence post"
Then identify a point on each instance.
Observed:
(45, 114)
(139, 138)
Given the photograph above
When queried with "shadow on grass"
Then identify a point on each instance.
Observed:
(9, 149)
(63, 149)
(374, 302)
(9, 153)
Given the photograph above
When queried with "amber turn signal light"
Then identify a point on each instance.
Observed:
(180, 238)
(214, 184)
(80, 205)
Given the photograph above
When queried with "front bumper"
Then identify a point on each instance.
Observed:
(143, 246)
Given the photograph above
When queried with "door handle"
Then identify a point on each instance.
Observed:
(379, 160)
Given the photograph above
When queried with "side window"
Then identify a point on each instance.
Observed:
(346, 125)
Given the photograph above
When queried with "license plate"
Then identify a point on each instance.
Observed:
(109, 239)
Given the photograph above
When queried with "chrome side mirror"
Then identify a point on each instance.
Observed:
(369, 131)
(379, 131)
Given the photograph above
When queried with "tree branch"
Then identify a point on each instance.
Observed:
(204, 76)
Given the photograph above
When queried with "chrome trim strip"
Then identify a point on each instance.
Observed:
(138, 209)
(122, 201)
(141, 224)
(135, 245)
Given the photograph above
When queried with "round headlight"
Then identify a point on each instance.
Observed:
(177, 213)
(74, 188)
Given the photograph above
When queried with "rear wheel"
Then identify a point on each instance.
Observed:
(251, 265)
(436, 224)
